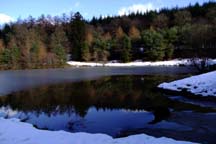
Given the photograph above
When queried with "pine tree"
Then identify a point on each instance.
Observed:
(15, 57)
(58, 39)
(126, 49)
(77, 35)
(170, 38)
(100, 52)
(182, 17)
(153, 44)
(161, 21)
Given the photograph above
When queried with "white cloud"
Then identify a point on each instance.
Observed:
(77, 4)
(5, 18)
(136, 8)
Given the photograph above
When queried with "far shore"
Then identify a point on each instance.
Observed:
(137, 63)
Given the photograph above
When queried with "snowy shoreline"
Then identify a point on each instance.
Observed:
(13, 131)
(175, 62)
(202, 85)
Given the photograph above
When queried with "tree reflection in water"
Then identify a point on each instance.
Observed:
(126, 102)
(126, 92)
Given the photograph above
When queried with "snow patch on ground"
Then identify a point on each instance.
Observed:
(12, 131)
(76, 63)
(175, 62)
(136, 63)
(204, 84)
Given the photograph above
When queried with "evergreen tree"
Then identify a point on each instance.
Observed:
(182, 17)
(211, 16)
(126, 49)
(100, 52)
(170, 38)
(5, 57)
(153, 44)
(161, 21)
(77, 35)
(58, 41)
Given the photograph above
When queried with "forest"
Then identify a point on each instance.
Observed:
(166, 34)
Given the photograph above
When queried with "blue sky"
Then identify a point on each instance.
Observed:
(13, 9)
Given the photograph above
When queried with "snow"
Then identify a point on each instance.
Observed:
(175, 62)
(204, 84)
(135, 63)
(76, 63)
(13, 131)
(212, 62)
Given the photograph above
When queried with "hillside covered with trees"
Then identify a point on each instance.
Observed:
(154, 35)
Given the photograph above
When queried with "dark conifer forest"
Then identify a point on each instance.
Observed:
(155, 35)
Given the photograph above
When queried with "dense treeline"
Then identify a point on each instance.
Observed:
(169, 33)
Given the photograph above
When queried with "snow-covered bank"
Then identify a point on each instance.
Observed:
(136, 63)
(12, 131)
(204, 85)
(175, 62)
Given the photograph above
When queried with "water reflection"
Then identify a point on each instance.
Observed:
(117, 106)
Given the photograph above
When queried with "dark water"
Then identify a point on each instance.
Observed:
(124, 103)
(11, 81)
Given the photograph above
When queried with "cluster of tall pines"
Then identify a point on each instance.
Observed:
(155, 35)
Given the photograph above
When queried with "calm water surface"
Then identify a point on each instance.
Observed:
(115, 101)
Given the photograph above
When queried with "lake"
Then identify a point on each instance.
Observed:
(115, 101)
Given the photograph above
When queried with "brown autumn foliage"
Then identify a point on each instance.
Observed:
(2, 46)
(119, 33)
(134, 33)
